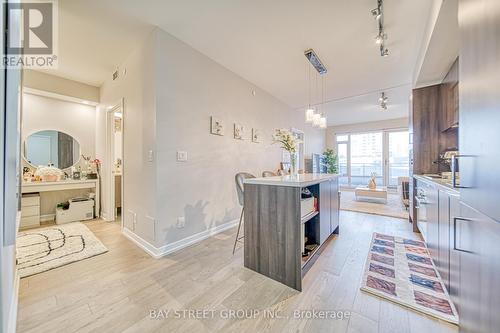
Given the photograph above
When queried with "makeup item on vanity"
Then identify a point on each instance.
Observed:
(49, 173)
(92, 175)
(76, 175)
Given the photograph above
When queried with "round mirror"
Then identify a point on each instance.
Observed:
(51, 148)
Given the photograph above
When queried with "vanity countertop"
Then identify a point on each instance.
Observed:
(60, 182)
(301, 180)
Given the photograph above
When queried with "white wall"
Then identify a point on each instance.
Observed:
(331, 131)
(190, 88)
(137, 89)
(170, 92)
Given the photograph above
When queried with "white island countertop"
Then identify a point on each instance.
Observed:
(301, 180)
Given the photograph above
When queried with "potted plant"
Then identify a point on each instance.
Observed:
(330, 160)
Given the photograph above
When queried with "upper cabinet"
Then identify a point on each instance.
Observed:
(449, 99)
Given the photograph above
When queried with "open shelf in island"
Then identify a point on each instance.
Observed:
(273, 224)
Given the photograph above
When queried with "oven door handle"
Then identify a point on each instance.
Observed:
(419, 202)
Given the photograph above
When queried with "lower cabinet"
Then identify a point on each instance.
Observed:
(325, 210)
(335, 207)
(454, 269)
(442, 261)
(478, 244)
(329, 208)
(432, 210)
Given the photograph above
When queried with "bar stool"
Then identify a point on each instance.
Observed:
(239, 178)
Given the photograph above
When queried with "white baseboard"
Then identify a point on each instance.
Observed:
(142, 243)
(105, 217)
(47, 217)
(11, 326)
(158, 252)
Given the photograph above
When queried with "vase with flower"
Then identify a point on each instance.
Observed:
(289, 143)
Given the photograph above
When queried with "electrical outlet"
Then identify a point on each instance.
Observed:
(182, 156)
(181, 221)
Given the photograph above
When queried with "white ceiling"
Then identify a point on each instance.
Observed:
(262, 41)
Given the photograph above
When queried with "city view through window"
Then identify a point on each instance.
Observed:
(384, 154)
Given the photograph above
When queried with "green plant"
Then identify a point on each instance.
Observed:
(330, 159)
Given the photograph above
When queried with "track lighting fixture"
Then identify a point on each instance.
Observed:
(383, 101)
(381, 36)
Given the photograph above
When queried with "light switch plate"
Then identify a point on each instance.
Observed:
(150, 156)
(182, 156)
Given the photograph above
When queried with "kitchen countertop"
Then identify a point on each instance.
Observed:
(301, 180)
(443, 183)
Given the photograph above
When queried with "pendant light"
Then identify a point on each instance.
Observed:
(309, 110)
(317, 120)
(322, 121)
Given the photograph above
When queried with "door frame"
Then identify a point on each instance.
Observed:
(110, 144)
(385, 153)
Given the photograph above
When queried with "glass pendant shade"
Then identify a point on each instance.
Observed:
(316, 120)
(322, 122)
(309, 115)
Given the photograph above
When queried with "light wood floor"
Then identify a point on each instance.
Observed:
(115, 292)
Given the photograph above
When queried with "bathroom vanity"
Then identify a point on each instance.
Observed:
(30, 188)
(277, 228)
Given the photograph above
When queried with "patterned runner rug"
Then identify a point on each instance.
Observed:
(401, 270)
(40, 250)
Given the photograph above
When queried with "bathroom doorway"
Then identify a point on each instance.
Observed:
(115, 169)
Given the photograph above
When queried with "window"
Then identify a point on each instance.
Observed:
(383, 153)
(366, 158)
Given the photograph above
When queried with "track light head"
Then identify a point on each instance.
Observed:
(383, 101)
(379, 39)
(383, 51)
(376, 12)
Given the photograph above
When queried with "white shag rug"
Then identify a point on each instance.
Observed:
(394, 207)
(40, 250)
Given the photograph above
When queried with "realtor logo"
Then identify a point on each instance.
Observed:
(32, 35)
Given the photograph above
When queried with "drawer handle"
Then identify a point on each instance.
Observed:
(455, 219)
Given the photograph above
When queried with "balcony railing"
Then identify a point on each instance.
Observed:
(361, 173)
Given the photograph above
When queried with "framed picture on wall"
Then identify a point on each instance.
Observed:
(239, 132)
(216, 126)
(255, 135)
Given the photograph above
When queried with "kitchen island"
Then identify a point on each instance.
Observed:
(284, 232)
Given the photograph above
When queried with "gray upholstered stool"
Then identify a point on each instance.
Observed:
(239, 178)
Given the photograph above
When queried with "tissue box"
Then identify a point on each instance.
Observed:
(306, 206)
